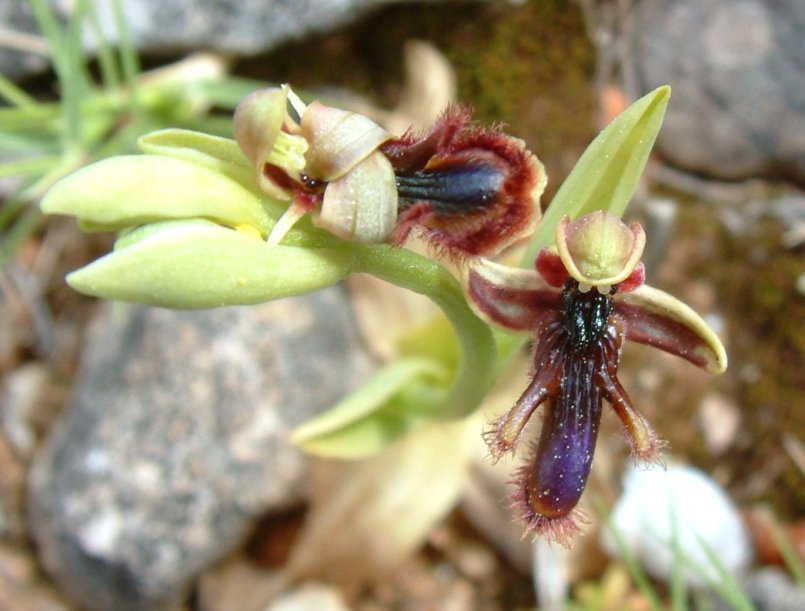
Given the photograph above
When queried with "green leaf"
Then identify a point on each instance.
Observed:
(719, 577)
(199, 264)
(370, 418)
(66, 57)
(608, 173)
(13, 94)
(119, 192)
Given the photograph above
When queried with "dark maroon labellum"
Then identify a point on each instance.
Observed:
(466, 190)
(584, 342)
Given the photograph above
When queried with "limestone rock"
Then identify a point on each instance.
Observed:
(176, 439)
(736, 68)
(238, 27)
(682, 506)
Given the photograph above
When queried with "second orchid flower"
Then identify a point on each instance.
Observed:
(585, 297)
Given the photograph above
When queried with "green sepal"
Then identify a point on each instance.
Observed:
(128, 190)
(221, 155)
(193, 264)
(608, 173)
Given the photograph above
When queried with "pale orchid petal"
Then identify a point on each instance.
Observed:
(338, 140)
(507, 431)
(292, 215)
(361, 206)
(258, 124)
(651, 316)
(517, 299)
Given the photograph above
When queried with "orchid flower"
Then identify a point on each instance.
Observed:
(583, 300)
(465, 190)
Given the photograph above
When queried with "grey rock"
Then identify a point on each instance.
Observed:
(176, 439)
(737, 69)
(241, 27)
(773, 590)
(769, 589)
(663, 513)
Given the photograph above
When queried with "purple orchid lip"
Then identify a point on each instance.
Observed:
(551, 482)
(579, 334)
(581, 344)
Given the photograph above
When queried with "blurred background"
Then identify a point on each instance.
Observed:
(144, 459)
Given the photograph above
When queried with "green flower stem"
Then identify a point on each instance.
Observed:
(411, 271)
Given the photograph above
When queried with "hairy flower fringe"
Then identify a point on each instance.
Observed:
(555, 529)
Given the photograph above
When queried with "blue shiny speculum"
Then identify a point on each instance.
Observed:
(458, 189)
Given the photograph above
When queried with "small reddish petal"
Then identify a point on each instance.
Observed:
(551, 268)
(635, 279)
(646, 446)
